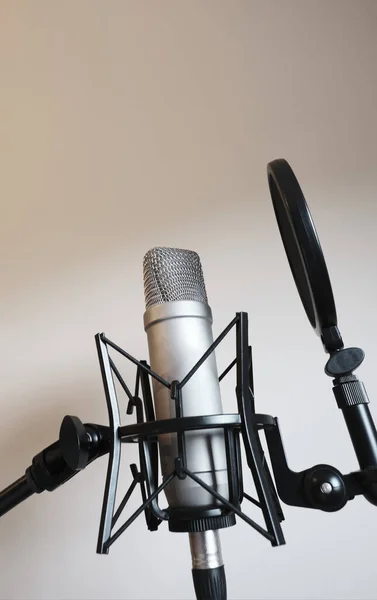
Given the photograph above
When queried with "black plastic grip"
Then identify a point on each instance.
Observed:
(350, 393)
(210, 584)
(363, 434)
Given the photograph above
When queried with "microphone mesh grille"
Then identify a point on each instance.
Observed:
(173, 274)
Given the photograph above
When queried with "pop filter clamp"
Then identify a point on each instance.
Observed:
(320, 487)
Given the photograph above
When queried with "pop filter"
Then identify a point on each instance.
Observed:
(304, 252)
(310, 273)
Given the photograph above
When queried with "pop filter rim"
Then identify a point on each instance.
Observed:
(302, 246)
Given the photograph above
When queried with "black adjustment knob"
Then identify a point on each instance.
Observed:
(74, 442)
(325, 488)
(344, 361)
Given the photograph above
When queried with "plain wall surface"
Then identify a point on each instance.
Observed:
(125, 125)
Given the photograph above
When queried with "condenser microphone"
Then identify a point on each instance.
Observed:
(178, 323)
(199, 446)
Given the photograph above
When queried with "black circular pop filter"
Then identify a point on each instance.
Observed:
(302, 246)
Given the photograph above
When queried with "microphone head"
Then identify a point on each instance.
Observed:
(172, 274)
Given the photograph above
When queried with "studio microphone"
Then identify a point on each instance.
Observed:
(178, 323)
(199, 446)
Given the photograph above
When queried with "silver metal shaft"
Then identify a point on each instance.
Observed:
(206, 550)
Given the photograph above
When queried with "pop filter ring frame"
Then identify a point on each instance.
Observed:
(304, 252)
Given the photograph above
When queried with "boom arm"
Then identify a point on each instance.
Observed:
(78, 445)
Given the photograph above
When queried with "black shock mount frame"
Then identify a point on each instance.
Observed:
(146, 431)
(321, 487)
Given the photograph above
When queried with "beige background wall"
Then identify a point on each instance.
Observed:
(128, 124)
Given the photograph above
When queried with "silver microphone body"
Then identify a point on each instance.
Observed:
(179, 333)
(178, 323)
